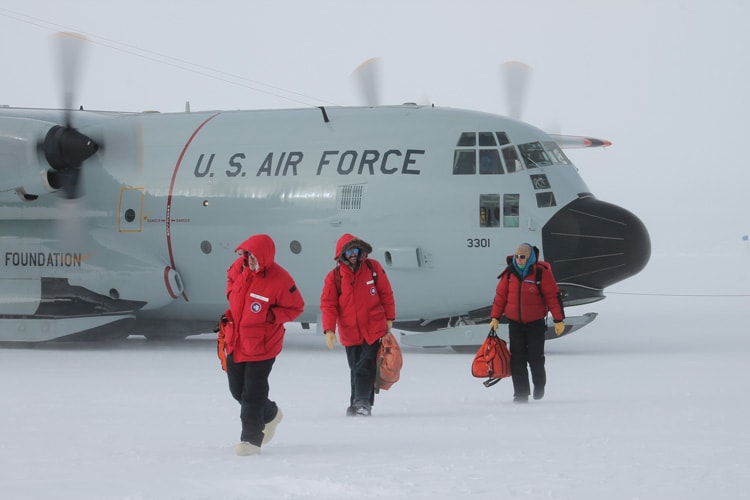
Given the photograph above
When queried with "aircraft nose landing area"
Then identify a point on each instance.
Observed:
(592, 244)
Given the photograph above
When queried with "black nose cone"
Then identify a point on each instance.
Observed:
(592, 244)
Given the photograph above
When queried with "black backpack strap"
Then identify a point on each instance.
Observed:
(372, 270)
(337, 275)
(506, 272)
(539, 278)
(539, 285)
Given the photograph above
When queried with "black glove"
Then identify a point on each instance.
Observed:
(222, 321)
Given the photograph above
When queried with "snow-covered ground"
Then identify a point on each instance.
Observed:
(650, 401)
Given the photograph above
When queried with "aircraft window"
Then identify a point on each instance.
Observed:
(489, 210)
(489, 162)
(540, 182)
(465, 162)
(502, 138)
(487, 139)
(546, 199)
(512, 163)
(467, 139)
(556, 153)
(533, 155)
(510, 210)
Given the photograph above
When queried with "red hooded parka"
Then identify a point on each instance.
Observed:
(521, 300)
(365, 303)
(260, 302)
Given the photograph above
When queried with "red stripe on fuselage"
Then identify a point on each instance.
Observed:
(171, 188)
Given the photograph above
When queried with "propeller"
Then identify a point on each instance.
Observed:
(368, 78)
(64, 147)
(516, 76)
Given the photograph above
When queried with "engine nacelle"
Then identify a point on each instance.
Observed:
(23, 167)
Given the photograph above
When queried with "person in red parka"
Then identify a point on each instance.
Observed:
(262, 297)
(358, 298)
(525, 303)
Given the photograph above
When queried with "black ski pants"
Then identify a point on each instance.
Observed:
(527, 347)
(248, 383)
(361, 360)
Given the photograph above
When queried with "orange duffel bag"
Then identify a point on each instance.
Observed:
(388, 363)
(492, 360)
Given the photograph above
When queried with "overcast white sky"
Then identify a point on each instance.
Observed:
(665, 81)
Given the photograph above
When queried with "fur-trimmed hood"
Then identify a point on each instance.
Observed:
(349, 241)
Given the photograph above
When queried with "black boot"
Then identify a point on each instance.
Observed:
(538, 392)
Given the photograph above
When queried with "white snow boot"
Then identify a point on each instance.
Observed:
(270, 429)
(244, 449)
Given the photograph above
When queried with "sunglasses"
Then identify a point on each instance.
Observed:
(353, 251)
(521, 257)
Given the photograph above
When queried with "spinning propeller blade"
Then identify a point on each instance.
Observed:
(516, 76)
(368, 77)
(64, 147)
(71, 49)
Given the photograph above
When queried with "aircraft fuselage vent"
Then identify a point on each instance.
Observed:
(350, 197)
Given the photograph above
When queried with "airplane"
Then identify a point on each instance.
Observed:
(125, 223)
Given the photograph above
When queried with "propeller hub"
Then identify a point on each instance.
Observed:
(66, 148)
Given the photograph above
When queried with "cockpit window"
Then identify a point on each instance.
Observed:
(487, 139)
(492, 153)
(533, 155)
(489, 210)
(556, 153)
(490, 207)
(544, 200)
(511, 204)
(467, 139)
(465, 162)
(489, 162)
(512, 163)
